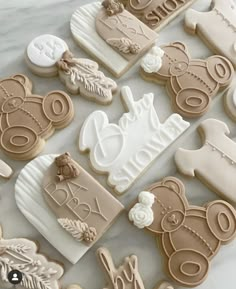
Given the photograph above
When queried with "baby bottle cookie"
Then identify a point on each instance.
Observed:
(48, 55)
(189, 236)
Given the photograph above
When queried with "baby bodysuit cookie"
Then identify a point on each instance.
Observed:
(123, 151)
(48, 55)
(22, 255)
(189, 236)
(111, 34)
(27, 119)
(230, 101)
(191, 83)
(215, 162)
(217, 27)
(65, 204)
(5, 170)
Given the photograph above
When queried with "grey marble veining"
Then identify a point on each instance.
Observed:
(21, 21)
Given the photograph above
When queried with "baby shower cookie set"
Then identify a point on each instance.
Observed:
(65, 203)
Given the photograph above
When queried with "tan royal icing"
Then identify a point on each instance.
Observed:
(156, 13)
(189, 236)
(125, 276)
(191, 83)
(113, 7)
(21, 254)
(83, 207)
(215, 162)
(125, 33)
(27, 119)
(216, 27)
(5, 170)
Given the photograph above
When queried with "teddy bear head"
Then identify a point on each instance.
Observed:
(63, 160)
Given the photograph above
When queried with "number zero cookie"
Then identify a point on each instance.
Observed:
(120, 150)
(191, 83)
(215, 162)
(27, 120)
(5, 170)
(65, 204)
(217, 27)
(189, 236)
(48, 55)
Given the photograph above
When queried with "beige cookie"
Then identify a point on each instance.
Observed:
(5, 170)
(230, 101)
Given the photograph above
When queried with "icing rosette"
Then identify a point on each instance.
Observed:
(152, 62)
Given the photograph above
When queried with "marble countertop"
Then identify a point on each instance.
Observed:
(20, 22)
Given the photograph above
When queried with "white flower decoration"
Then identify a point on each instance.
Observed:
(152, 62)
(146, 198)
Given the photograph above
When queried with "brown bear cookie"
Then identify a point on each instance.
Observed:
(191, 83)
(189, 236)
(28, 119)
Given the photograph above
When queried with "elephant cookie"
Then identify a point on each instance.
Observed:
(36, 271)
(230, 101)
(5, 170)
(123, 151)
(218, 151)
(48, 55)
(189, 236)
(27, 120)
(111, 35)
(217, 27)
(191, 83)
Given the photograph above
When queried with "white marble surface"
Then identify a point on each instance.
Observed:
(21, 21)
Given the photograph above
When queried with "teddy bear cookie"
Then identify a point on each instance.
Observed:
(5, 170)
(218, 151)
(123, 151)
(230, 101)
(189, 236)
(217, 27)
(156, 14)
(48, 55)
(36, 271)
(191, 83)
(111, 34)
(65, 204)
(27, 120)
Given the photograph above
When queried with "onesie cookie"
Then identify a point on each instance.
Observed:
(27, 120)
(65, 204)
(189, 236)
(22, 255)
(215, 162)
(111, 34)
(191, 83)
(156, 14)
(5, 170)
(217, 27)
(123, 151)
(48, 55)
(230, 101)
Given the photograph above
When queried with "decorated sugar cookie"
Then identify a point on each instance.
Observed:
(218, 151)
(22, 255)
(5, 170)
(189, 236)
(111, 34)
(191, 83)
(48, 55)
(123, 151)
(217, 27)
(230, 101)
(65, 204)
(26, 119)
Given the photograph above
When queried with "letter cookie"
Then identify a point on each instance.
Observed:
(191, 83)
(123, 151)
(215, 162)
(111, 34)
(27, 119)
(81, 209)
(217, 27)
(189, 236)
(5, 170)
(230, 101)
(22, 255)
(48, 55)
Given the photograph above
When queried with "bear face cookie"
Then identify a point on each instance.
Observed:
(27, 119)
(217, 27)
(189, 236)
(191, 83)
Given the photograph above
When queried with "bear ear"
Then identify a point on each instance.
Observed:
(24, 80)
(180, 45)
(175, 185)
(67, 154)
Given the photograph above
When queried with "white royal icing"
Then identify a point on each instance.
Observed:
(46, 50)
(152, 62)
(123, 150)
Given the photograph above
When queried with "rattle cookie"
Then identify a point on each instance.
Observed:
(5, 170)
(189, 236)
(65, 204)
(191, 83)
(27, 120)
(111, 34)
(48, 55)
